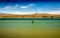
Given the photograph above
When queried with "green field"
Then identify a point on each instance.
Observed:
(27, 29)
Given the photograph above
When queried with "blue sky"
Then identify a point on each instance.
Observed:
(29, 7)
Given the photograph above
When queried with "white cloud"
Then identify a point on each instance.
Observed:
(27, 6)
(20, 12)
(7, 7)
(16, 5)
(54, 12)
(11, 7)
(17, 12)
(51, 12)
(31, 4)
(23, 7)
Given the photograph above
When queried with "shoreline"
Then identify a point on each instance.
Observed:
(29, 19)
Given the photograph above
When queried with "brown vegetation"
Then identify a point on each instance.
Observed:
(29, 16)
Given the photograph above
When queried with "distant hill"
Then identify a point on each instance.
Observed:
(30, 16)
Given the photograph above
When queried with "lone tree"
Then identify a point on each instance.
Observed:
(33, 17)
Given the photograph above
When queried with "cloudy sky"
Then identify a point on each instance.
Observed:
(29, 6)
